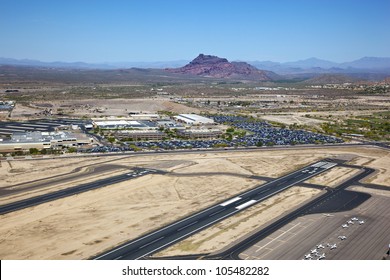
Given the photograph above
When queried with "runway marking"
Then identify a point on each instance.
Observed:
(154, 241)
(318, 164)
(152, 233)
(215, 213)
(230, 201)
(184, 236)
(329, 165)
(276, 238)
(246, 204)
(208, 209)
(186, 226)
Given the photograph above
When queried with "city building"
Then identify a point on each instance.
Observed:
(44, 140)
(200, 133)
(136, 135)
(125, 124)
(193, 119)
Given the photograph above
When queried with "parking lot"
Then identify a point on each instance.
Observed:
(259, 134)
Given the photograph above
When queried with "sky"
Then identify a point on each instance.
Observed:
(166, 30)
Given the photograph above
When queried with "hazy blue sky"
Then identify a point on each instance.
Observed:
(146, 30)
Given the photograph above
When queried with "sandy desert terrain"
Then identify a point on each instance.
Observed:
(86, 224)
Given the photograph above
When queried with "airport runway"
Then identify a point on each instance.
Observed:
(21, 204)
(177, 231)
(328, 202)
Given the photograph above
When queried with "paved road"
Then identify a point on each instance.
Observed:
(21, 204)
(170, 234)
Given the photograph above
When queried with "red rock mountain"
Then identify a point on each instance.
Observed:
(216, 67)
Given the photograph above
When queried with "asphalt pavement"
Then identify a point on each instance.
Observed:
(328, 202)
(177, 231)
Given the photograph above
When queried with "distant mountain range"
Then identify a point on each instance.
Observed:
(366, 68)
(366, 63)
(315, 65)
(84, 65)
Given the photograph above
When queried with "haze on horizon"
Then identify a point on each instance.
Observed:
(116, 31)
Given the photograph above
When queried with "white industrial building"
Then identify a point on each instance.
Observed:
(116, 124)
(44, 140)
(193, 119)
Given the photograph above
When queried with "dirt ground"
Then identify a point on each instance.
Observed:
(291, 119)
(83, 225)
(99, 107)
(333, 177)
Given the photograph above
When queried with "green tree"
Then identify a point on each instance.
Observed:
(72, 150)
(230, 130)
(259, 144)
(33, 151)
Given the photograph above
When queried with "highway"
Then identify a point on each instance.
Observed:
(179, 230)
(21, 204)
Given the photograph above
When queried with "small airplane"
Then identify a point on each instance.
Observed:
(361, 222)
(314, 251)
(342, 237)
(308, 257)
(354, 219)
(350, 222)
(328, 215)
(320, 257)
(320, 246)
(334, 246)
(344, 225)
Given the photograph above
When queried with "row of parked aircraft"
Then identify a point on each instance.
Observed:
(315, 253)
(319, 256)
(352, 221)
